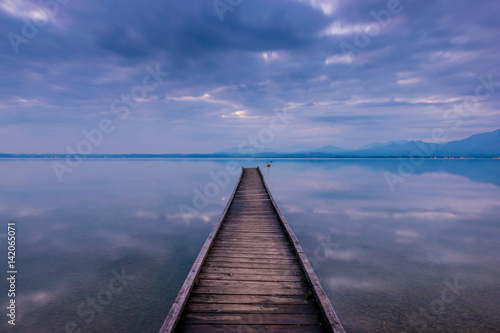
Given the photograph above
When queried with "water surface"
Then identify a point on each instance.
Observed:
(420, 258)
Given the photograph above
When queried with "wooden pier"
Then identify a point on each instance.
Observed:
(251, 274)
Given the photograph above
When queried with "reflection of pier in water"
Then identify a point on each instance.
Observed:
(251, 274)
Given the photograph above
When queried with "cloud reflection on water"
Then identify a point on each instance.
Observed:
(375, 246)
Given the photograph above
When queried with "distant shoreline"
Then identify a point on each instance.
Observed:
(237, 157)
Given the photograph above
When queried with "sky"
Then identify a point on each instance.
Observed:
(188, 76)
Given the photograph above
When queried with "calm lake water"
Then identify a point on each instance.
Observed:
(107, 249)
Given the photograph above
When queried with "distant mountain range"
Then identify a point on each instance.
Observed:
(478, 145)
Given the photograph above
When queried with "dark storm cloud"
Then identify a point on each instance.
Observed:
(226, 77)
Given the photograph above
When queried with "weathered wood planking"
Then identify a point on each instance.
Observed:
(251, 274)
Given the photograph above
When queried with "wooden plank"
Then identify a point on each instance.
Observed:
(254, 271)
(255, 227)
(265, 227)
(247, 226)
(251, 208)
(270, 251)
(252, 215)
(258, 199)
(250, 272)
(250, 221)
(250, 291)
(229, 318)
(257, 204)
(251, 224)
(247, 255)
(249, 299)
(245, 237)
(246, 308)
(251, 257)
(263, 231)
(251, 233)
(247, 277)
(250, 246)
(254, 328)
(231, 285)
(254, 223)
(261, 227)
(252, 260)
(255, 266)
(247, 243)
(251, 211)
(255, 250)
(264, 223)
(257, 237)
(264, 273)
(261, 243)
(249, 217)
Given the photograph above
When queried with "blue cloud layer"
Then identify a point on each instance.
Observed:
(411, 63)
